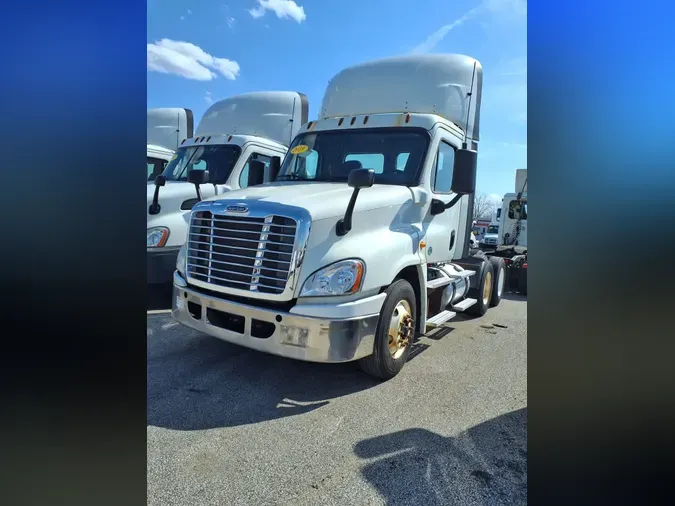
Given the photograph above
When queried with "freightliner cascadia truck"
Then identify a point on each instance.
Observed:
(233, 132)
(363, 238)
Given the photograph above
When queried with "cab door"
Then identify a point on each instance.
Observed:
(441, 233)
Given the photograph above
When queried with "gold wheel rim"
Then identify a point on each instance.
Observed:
(487, 288)
(401, 329)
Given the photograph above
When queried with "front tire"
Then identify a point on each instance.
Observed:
(395, 332)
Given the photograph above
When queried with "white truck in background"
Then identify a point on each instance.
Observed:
(491, 237)
(363, 239)
(167, 128)
(510, 238)
(232, 133)
(513, 231)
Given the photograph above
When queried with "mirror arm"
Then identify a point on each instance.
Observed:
(453, 201)
(155, 207)
(345, 224)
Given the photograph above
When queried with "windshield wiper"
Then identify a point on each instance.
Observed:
(292, 176)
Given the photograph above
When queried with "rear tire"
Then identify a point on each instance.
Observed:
(483, 293)
(499, 280)
(388, 358)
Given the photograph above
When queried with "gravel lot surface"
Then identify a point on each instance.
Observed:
(230, 426)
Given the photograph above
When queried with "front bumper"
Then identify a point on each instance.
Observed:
(161, 263)
(302, 337)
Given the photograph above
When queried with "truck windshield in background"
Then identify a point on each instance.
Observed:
(219, 160)
(492, 229)
(396, 156)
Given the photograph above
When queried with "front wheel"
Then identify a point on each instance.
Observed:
(395, 332)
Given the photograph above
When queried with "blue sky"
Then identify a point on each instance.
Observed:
(204, 50)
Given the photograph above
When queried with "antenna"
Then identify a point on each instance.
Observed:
(468, 109)
(290, 140)
(177, 130)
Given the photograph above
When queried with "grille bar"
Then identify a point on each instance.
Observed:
(248, 240)
(253, 254)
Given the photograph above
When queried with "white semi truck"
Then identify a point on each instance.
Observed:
(509, 240)
(167, 128)
(363, 239)
(232, 133)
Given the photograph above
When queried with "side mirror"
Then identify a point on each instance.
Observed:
(275, 165)
(256, 172)
(160, 180)
(358, 178)
(361, 178)
(196, 177)
(464, 172)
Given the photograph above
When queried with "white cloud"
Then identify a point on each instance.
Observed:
(494, 196)
(208, 98)
(182, 18)
(437, 36)
(189, 61)
(498, 8)
(231, 22)
(282, 8)
(189, 11)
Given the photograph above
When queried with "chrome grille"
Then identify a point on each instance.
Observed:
(244, 253)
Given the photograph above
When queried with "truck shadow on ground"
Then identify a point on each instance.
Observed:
(486, 465)
(198, 382)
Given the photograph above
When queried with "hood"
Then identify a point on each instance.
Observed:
(322, 200)
(174, 193)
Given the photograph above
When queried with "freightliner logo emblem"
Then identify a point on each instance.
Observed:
(237, 209)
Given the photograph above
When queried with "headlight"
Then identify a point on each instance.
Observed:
(181, 261)
(157, 237)
(340, 278)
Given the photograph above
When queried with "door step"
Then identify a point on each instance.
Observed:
(465, 304)
(445, 279)
(440, 318)
(438, 282)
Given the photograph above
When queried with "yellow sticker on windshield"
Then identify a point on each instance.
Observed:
(300, 148)
(174, 157)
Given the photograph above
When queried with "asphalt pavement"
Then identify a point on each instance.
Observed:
(231, 426)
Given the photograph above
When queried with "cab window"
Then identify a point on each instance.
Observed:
(445, 162)
(243, 178)
(155, 167)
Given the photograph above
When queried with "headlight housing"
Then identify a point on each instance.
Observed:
(157, 237)
(181, 261)
(341, 278)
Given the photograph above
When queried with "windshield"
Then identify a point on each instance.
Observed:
(492, 229)
(395, 155)
(218, 160)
